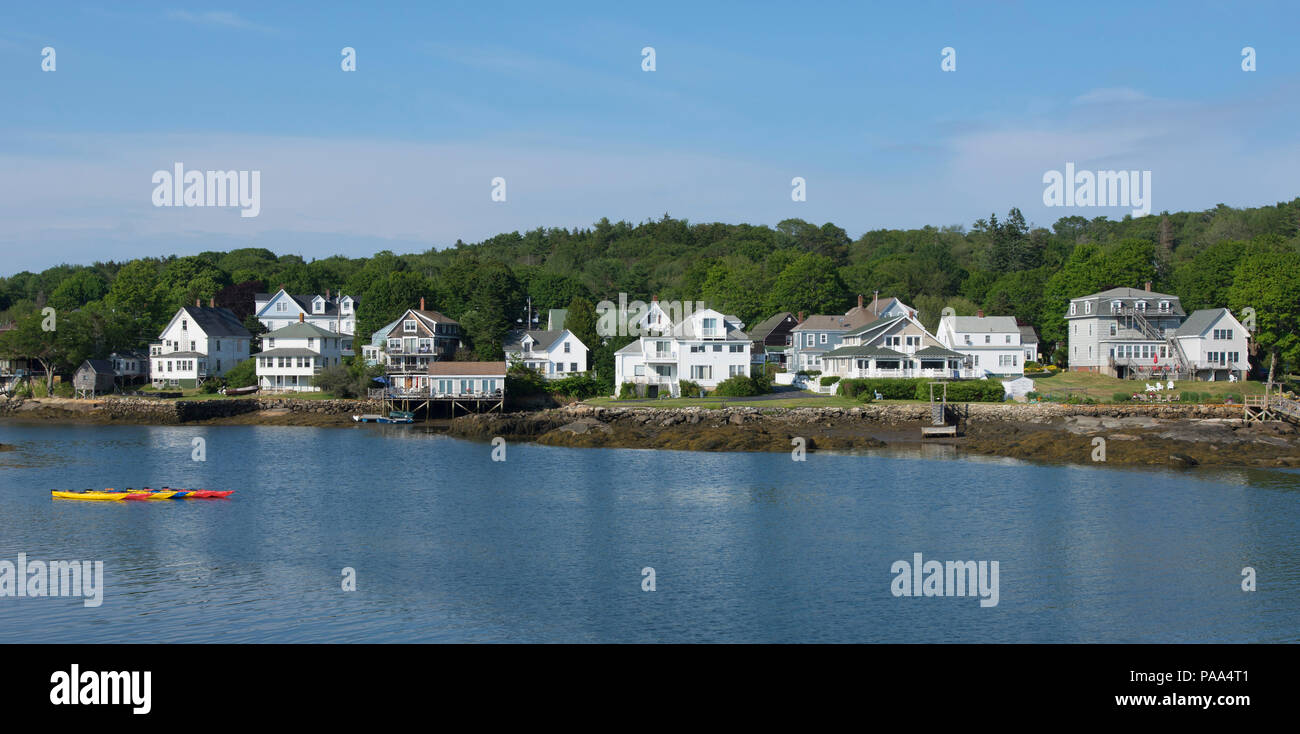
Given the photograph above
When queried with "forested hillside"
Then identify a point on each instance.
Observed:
(1220, 257)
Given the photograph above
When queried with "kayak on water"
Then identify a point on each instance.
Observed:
(129, 493)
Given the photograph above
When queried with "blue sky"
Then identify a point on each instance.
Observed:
(551, 96)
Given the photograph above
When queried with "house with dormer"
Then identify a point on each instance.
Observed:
(704, 347)
(332, 312)
(418, 338)
(894, 346)
(554, 353)
(818, 334)
(1124, 331)
(199, 342)
(293, 355)
(991, 344)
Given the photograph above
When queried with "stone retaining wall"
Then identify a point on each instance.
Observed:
(152, 410)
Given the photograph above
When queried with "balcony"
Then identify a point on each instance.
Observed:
(661, 356)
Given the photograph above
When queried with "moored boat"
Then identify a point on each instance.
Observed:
(145, 494)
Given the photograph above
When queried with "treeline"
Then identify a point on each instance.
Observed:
(1219, 257)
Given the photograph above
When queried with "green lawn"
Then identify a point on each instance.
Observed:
(1101, 387)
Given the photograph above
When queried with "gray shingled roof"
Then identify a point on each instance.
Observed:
(937, 352)
(765, 327)
(219, 321)
(301, 330)
(985, 324)
(541, 338)
(1200, 321)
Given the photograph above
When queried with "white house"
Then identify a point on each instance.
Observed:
(130, 366)
(553, 353)
(992, 343)
(1215, 344)
(292, 355)
(705, 347)
(893, 346)
(199, 342)
(331, 312)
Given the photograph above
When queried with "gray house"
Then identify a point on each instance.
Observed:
(1125, 332)
(94, 377)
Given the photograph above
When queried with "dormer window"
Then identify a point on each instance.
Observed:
(1115, 306)
(318, 305)
(1164, 306)
(1141, 305)
(346, 305)
(1074, 309)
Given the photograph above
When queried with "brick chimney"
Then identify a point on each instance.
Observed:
(979, 313)
(421, 303)
(212, 302)
(1148, 286)
(801, 317)
(327, 294)
(859, 300)
(654, 298)
(198, 303)
(300, 316)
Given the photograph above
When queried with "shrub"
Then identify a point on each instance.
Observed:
(210, 386)
(1033, 395)
(1188, 396)
(830, 380)
(866, 397)
(739, 386)
(1120, 397)
(243, 374)
(688, 388)
(808, 373)
(580, 385)
(627, 391)
(522, 381)
(889, 388)
(973, 391)
(1032, 365)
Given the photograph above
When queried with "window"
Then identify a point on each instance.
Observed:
(270, 342)
(735, 369)
(638, 370)
(823, 338)
(218, 347)
(1164, 306)
(281, 306)
(710, 327)
(1115, 306)
(812, 340)
(566, 348)
(1141, 305)
(408, 326)
(1006, 360)
(1008, 338)
(1089, 329)
(717, 347)
(737, 347)
(559, 366)
(913, 341)
(1112, 330)
(1073, 308)
(695, 348)
(701, 372)
(1087, 307)
(573, 366)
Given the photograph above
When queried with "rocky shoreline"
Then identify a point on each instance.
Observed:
(1154, 435)
(1173, 435)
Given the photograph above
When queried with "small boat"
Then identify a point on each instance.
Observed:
(166, 493)
(241, 390)
(398, 416)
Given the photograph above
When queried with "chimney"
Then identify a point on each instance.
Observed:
(198, 303)
(875, 302)
(654, 298)
(859, 300)
(212, 302)
(1148, 286)
(327, 294)
(300, 315)
(979, 313)
(801, 317)
(421, 303)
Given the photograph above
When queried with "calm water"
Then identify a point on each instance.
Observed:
(549, 545)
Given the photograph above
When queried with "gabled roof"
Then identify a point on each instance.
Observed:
(301, 330)
(1200, 321)
(377, 338)
(876, 325)
(218, 321)
(555, 318)
(304, 302)
(288, 352)
(768, 325)
(1028, 335)
(985, 325)
(102, 366)
(825, 322)
(632, 348)
(542, 338)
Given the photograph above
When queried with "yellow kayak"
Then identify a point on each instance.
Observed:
(112, 496)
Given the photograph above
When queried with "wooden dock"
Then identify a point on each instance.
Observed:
(945, 418)
(1270, 407)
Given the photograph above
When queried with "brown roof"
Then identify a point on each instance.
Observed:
(436, 316)
(456, 369)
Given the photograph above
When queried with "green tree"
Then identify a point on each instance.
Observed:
(810, 284)
(1269, 282)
